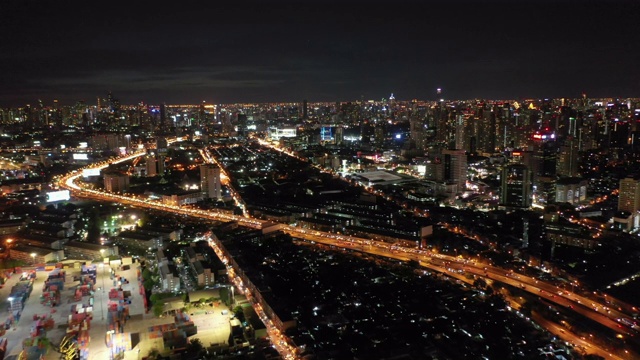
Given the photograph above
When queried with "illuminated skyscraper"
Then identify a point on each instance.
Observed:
(151, 162)
(568, 159)
(210, 181)
(339, 136)
(516, 186)
(629, 196)
(455, 168)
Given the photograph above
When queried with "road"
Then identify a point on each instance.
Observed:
(590, 308)
(583, 344)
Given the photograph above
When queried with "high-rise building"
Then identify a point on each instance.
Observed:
(516, 186)
(545, 156)
(416, 129)
(163, 117)
(151, 163)
(455, 168)
(379, 133)
(339, 136)
(160, 159)
(629, 195)
(201, 115)
(242, 125)
(460, 135)
(162, 145)
(116, 182)
(210, 181)
(568, 159)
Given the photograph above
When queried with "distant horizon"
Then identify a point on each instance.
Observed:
(310, 101)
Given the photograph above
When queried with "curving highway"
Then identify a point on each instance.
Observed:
(450, 265)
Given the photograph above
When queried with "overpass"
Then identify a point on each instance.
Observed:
(450, 265)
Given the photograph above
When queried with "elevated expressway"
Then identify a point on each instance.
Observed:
(590, 308)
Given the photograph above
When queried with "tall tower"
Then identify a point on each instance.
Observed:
(152, 168)
(460, 135)
(525, 233)
(163, 117)
(629, 195)
(339, 136)
(242, 125)
(516, 186)
(568, 159)
(455, 168)
(418, 133)
(210, 181)
(201, 114)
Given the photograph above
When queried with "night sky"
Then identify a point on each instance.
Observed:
(316, 50)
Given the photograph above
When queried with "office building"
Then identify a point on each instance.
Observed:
(116, 182)
(629, 195)
(151, 165)
(571, 190)
(568, 159)
(210, 181)
(516, 186)
(154, 164)
(455, 168)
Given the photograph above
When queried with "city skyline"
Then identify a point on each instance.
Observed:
(320, 51)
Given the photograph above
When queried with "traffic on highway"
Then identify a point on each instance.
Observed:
(602, 313)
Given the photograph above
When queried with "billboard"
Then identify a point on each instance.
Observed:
(82, 156)
(62, 195)
(326, 133)
(90, 172)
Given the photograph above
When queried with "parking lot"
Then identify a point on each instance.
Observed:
(213, 325)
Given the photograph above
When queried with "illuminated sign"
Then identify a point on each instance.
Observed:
(326, 133)
(62, 195)
(277, 133)
(82, 156)
(83, 145)
(90, 172)
(544, 136)
(515, 153)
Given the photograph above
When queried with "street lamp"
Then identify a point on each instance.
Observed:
(33, 258)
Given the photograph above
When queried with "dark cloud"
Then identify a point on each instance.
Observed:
(319, 50)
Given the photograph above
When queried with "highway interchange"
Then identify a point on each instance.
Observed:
(453, 266)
